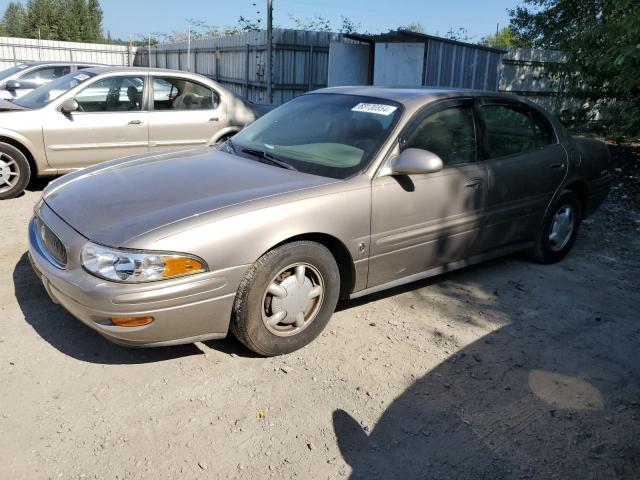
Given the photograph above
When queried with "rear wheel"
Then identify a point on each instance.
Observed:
(286, 298)
(559, 230)
(14, 171)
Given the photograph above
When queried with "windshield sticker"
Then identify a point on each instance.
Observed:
(378, 108)
(81, 77)
(21, 67)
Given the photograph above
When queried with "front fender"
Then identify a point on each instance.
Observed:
(35, 149)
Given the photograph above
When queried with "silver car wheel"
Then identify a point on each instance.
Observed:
(9, 173)
(561, 228)
(293, 299)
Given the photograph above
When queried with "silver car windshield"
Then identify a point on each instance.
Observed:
(46, 94)
(331, 135)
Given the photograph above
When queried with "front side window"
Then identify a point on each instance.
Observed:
(331, 135)
(513, 130)
(173, 93)
(449, 133)
(114, 94)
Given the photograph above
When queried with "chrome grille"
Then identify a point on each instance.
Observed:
(50, 241)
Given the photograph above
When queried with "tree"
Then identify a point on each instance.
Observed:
(93, 25)
(14, 19)
(601, 40)
(505, 37)
(415, 27)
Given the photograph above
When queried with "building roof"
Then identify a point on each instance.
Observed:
(406, 36)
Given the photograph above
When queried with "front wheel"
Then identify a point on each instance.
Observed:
(14, 171)
(560, 229)
(286, 298)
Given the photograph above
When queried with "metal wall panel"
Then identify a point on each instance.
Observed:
(18, 50)
(454, 65)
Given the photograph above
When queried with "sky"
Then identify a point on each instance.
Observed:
(135, 17)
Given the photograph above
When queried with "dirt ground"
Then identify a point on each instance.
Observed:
(506, 370)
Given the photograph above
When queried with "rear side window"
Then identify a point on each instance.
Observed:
(513, 130)
(449, 133)
(173, 93)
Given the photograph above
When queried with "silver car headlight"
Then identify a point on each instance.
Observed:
(134, 266)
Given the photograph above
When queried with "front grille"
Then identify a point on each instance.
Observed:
(50, 241)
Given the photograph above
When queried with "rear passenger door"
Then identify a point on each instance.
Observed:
(184, 113)
(525, 164)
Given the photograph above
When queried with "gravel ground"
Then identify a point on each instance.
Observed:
(504, 370)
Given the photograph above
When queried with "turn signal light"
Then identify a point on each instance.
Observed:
(178, 266)
(131, 321)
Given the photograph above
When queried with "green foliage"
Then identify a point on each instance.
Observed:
(67, 20)
(416, 27)
(13, 20)
(602, 43)
(505, 37)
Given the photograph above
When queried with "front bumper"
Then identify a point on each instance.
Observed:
(186, 309)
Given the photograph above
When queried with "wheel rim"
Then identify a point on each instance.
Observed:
(561, 228)
(292, 299)
(9, 173)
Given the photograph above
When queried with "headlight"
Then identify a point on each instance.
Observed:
(134, 266)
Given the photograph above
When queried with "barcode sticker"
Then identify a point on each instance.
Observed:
(378, 108)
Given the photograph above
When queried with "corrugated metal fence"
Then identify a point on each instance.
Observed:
(300, 62)
(529, 73)
(18, 50)
(455, 64)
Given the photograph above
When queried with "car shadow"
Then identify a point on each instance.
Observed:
(71, 337)
(551, 394)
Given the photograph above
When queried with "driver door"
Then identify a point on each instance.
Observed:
(111, 122)
(419, 222)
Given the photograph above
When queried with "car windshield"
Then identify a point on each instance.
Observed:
(331, 135)
(10, 71)
(46, 94)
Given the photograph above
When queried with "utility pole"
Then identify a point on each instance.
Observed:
(189, 48)
(269, 49)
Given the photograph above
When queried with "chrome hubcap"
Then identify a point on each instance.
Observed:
(9, 173)
(293, 299)
(561, 228)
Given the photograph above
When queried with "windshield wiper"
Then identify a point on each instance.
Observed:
(268, 158)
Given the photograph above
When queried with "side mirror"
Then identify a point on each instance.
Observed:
(69, 105)
(12, 85)
(415, 161)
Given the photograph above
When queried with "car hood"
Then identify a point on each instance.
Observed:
(116, 202)
(5, 104)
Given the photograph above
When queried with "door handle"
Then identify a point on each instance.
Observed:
(214, 119)
(473, 184)
(557, 165)
(135, 122)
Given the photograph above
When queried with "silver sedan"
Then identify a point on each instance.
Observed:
(103, 113)
(338, 193)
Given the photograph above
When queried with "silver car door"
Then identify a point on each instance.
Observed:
(525, 164)
(184, 113)
(423, 221)
(111, 122)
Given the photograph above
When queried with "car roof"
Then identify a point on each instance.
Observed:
(114, 69)
(411, 95)
(57, 62)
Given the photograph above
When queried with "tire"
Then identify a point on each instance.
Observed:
(551, 249)
(15, 171)
(256, 306)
